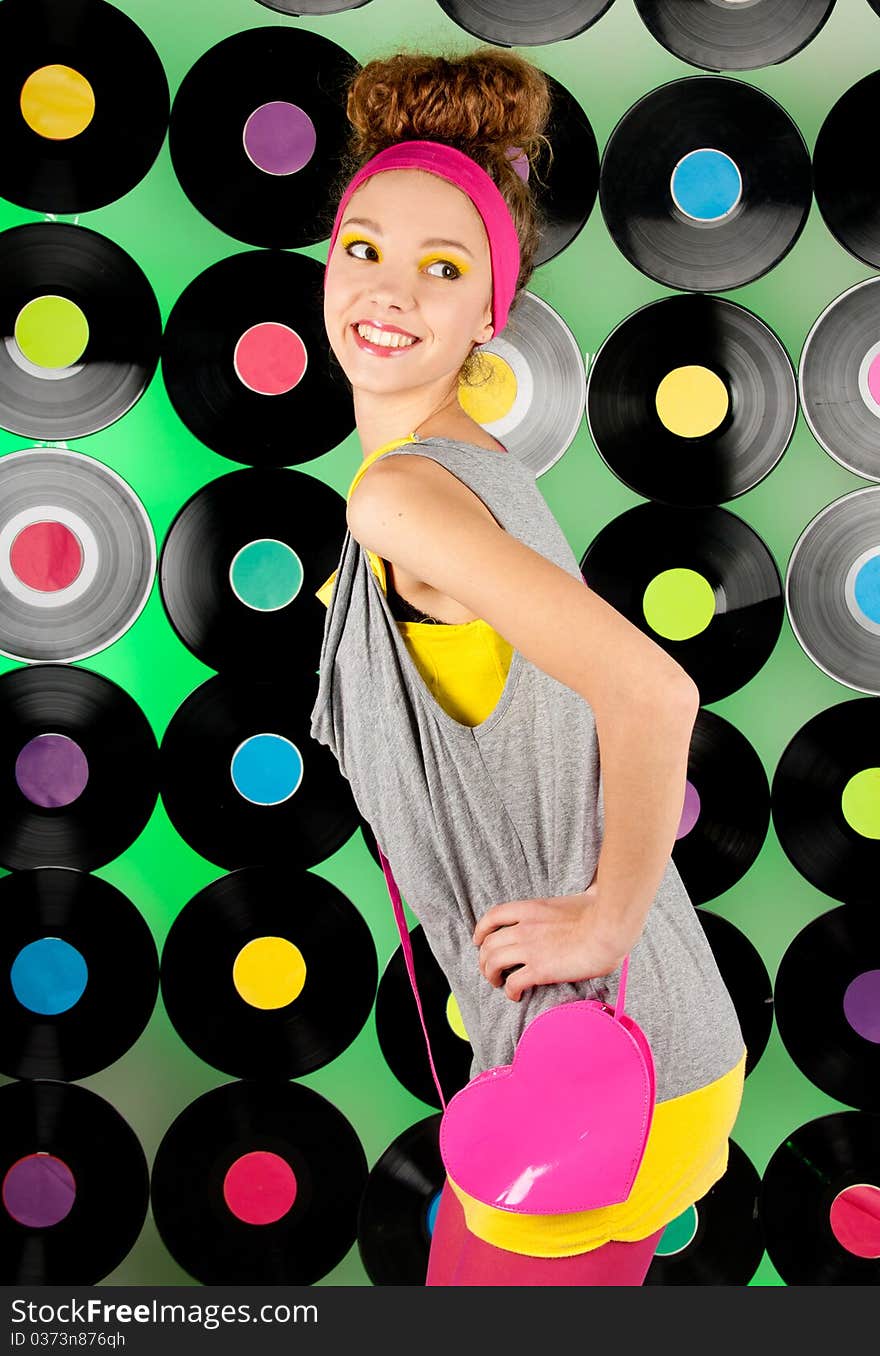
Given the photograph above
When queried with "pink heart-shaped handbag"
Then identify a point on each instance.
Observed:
(563, 1127)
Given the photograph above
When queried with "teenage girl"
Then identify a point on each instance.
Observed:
(433, 242)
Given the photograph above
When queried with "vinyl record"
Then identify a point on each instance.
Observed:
(242, 781)
(77, 555)
(831, 591)
(734, 37)
(746, 979)
(271, 1154)
(247, 363)
(75, 1185)
(700, 582)
(566, 197)
(726, 811)
(80, 768)
(834, 1040)
(240, 564)
(86, 104)
(723, 189)
(399, 1206)
(532, 385)
(83, 330)
(818, 1201)
(258, 130)
(823, 800)
(70, 1007)
(840, 379)
(310, 7)
(691, 400)
(287, 973)
(400, 1033)
(524, 23)
(845, 195)
(718, 1240)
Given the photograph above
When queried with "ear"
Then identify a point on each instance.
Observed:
(485, 334)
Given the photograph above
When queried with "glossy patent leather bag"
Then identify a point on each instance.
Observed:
(563, 1127)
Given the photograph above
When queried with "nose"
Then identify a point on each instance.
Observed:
(390, 288)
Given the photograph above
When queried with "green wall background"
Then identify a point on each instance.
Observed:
(594, 288)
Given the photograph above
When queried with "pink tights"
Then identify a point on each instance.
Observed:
(458, 1257)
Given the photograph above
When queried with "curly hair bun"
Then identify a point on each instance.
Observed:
(481, 101)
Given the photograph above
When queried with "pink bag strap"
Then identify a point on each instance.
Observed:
(408, 956)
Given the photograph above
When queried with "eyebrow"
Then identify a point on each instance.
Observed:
(374, 226)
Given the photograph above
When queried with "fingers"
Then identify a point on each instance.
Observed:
(494, 961)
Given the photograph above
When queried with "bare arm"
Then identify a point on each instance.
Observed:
(413, 512)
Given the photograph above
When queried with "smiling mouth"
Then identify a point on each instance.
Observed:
(382, 350)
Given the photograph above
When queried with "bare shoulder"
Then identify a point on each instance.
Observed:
(400, 481)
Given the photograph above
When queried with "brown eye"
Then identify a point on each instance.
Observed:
(445, 263)
(352, 244)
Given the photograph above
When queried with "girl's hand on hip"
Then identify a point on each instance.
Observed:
(546, 941)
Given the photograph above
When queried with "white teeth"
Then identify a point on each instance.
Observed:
(383, 337)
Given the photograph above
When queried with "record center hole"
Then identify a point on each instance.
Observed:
(49, 976)
(860, 802)
(259, 1187)
(57, 102)
(854, 1219)
(51, 770)
(269, 972)
(51, 331)
(39, 1191)
(678, 603)
(692, 401)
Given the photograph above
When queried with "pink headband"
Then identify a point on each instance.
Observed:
(466, 174)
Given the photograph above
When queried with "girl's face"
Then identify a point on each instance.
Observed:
(389, 267)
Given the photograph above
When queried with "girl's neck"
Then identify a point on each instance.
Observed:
(445, 418)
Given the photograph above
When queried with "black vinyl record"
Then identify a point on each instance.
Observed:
(312, 7)
(80, 768)
(746, 979)
(240, 566)
(846, 196)
(823, 785)
(399, 1206)
(71, 1006)
(258, 130)
(566, 197)
(691, 400)
(719, 1240)
(726, 811)
(733, 591)
(817, 1201)
(75, 1185)
(109, 367)
(247, 364)
(244, 783)
(827, 992)
(831, 590)
(734, 37)
(400, 1033)
(840, 379)
(524, 23)
(723, 189)
(287, 973)
(84, 104)
(271, 1154)
(77, 555)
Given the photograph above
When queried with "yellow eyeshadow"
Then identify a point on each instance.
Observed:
(350, 239)
(448, 259)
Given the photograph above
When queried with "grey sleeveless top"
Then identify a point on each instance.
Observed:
(471, 816)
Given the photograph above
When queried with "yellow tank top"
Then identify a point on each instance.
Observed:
(465, 666)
